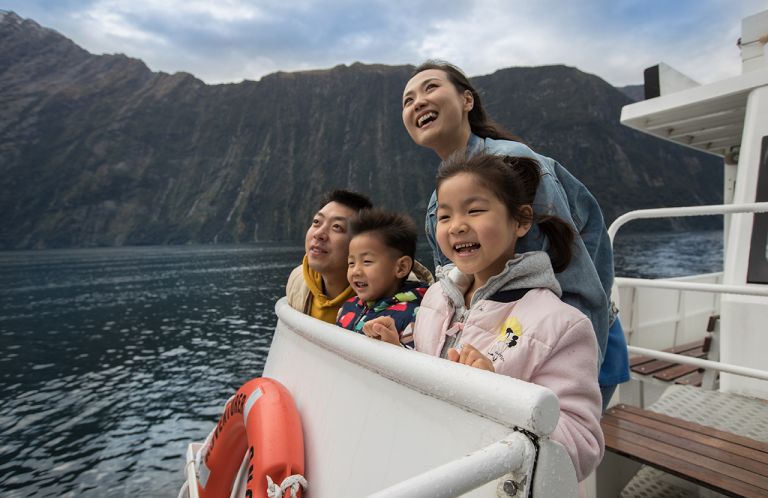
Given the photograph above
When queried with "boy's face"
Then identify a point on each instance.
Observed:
(327, 240)
(374, 270)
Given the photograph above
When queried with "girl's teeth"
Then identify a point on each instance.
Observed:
(465, 246)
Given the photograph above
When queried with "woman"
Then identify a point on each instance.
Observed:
(443, 112)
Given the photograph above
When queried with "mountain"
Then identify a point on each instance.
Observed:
(634, 92)
(99, 150)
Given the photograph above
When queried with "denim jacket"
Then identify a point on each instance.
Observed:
(588, 279)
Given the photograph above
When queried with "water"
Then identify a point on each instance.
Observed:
(666, 254)
(114, 359)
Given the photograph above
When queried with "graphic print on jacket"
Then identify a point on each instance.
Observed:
(509, 333)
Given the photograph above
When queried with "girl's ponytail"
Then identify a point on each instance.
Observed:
(560, 236)
(555, 229)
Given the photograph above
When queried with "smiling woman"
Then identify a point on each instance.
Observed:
(454, 100)
(443, 112)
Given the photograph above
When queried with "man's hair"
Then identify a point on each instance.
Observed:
(396, 231)
(352, 200)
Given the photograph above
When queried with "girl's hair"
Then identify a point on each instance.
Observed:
(397, 231)
(479, 121)
(514, 180)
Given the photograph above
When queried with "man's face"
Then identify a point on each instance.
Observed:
(327, 240)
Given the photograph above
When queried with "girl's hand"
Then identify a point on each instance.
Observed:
(382, 329)
(472, 357)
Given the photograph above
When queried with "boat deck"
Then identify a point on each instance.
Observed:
(667, 371)
(681, 446)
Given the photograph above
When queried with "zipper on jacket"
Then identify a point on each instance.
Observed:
(360, 317)
(451, 340)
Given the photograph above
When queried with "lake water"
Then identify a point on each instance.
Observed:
(114, 359)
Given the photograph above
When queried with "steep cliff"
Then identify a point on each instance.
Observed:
(99, 150)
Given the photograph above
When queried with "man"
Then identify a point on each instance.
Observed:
(319, 286)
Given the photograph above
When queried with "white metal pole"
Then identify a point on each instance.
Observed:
(746, 290)
(701, 363)
(465, 474)
(754, 207)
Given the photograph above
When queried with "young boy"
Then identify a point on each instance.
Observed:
(381, 256)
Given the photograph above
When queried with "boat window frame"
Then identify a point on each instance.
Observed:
(757, 266)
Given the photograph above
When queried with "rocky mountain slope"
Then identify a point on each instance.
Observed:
(99, 150)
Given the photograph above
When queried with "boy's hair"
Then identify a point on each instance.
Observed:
(352, 200)
(397, 231)
(514, 180)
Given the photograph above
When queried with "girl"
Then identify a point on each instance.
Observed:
(443, 112)
(499, 309)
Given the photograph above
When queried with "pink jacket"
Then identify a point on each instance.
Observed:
(518, 320)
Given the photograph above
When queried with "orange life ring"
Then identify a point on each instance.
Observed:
(262, 420)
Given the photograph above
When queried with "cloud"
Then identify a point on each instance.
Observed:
(615, 40)
(231, 40)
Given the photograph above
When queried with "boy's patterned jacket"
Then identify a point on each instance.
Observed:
(402, 307)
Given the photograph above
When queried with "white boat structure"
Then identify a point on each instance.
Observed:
(382, 421)
(728, 118)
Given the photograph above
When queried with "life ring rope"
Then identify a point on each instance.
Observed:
(293, 482)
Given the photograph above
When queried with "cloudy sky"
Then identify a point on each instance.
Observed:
(231, 40)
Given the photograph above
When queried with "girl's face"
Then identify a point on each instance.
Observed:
(474, 228)
(435, 113)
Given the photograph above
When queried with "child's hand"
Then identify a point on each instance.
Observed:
(383, 329)
(472, 357)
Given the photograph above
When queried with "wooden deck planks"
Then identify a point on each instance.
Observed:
(669, 371)
(719, 460)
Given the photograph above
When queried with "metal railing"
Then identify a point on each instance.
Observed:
(751, 290)
(513, 454)
(718, 209)
(701, 363)
(675, 212)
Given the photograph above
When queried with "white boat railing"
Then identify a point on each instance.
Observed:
(701, 363)
(533, 408)
(717, 209)
(674, 212)
(746, 290)
(751, 290)
(516, 453)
